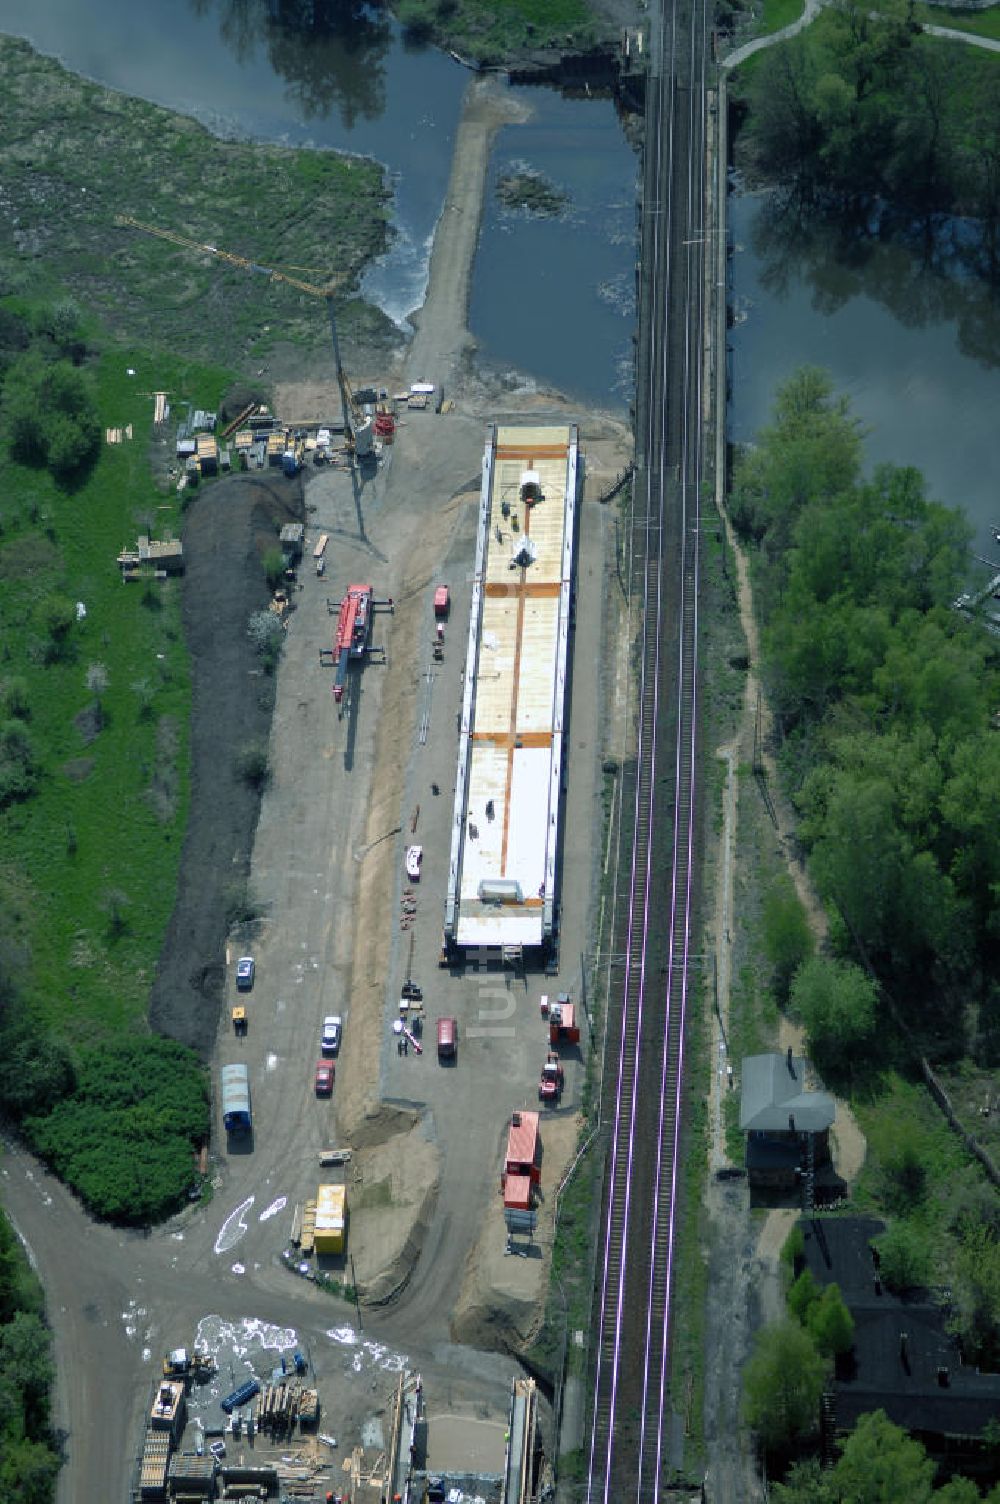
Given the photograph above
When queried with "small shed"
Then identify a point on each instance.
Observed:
(331, 1218)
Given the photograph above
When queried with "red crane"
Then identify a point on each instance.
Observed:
(352, 639)
(354, 629)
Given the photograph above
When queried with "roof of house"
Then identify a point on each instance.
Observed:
(774, 1091)
(921, 1382)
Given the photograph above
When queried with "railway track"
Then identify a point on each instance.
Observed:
(631, 1409)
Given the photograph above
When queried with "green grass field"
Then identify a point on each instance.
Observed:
(109, 813)
(980, 23)
(779, 13)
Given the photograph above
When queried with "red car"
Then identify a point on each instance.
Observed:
(324, 1078)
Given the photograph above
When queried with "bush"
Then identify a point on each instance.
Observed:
(253, 765)
(904, 1257)
(16, 701)
(265, 631)
(242, 906)
(274, 567)
(18, 769)
(788, 939)
(124, 1140)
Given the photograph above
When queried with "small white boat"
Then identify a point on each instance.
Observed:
(414, 857)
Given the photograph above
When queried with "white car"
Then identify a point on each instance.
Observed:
(244, 973)
(330, 1042)
(217, 1449)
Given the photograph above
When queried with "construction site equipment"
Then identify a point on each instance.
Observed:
(334, 1156)
(352, 639)
(182, 1364)
(563, 1027)
(274, 274)
(550, 1086)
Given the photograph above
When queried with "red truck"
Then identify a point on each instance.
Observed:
(550, 1087)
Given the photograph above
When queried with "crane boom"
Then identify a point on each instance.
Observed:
(274, 275)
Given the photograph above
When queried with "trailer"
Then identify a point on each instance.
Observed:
(236, 1113)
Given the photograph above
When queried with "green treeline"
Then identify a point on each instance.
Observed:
(886, 705)
(860, 107)
(29, 1460)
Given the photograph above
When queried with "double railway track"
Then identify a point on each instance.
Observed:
(631, 1406)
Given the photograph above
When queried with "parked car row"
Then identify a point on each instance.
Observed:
(329, 1044)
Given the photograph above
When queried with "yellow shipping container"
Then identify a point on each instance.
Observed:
(331, 1213)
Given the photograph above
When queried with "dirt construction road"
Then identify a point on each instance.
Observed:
(348, 790)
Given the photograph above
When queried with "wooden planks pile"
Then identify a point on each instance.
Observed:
(278, 1406)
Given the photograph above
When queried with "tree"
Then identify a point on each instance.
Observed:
(807, 1482)
(880, 1464)
(25, 1353)
(830, 1323)
(782, 1385)
(788, 940)
(837, 1003)
(49, 415)
(803, 1295)
(904, 1257)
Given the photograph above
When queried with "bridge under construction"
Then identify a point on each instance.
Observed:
(503, 870)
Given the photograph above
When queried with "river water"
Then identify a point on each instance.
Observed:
(551, 297)
(916, 348)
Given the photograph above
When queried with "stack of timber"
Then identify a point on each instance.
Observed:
(278, 1406)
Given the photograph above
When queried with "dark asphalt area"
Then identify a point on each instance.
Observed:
(228, 529)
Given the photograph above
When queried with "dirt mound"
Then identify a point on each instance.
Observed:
(227, 530)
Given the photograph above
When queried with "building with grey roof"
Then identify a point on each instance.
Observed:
(787, 1125)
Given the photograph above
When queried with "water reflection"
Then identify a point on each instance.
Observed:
(330, 53)
(922, 274)
(916, 347)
